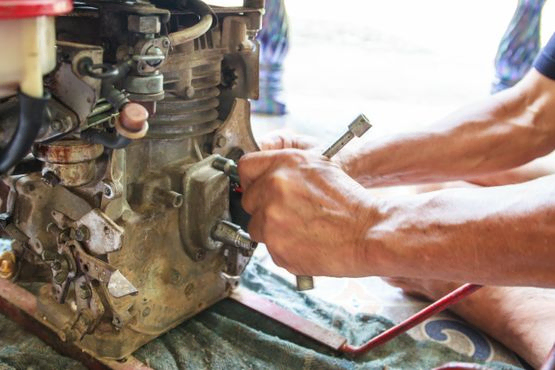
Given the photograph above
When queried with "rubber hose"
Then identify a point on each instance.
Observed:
(31, 117)
(207, 19)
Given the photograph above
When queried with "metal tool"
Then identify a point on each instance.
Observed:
(357, 128)
(227, 166)
(231, 234)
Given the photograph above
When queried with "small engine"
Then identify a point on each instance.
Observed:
(116, 212)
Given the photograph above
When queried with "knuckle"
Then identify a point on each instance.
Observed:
(297, 156)
(278, 183)
(246, 203)
(273, 214)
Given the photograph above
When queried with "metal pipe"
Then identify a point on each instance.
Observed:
(207, 19)
(436, 307)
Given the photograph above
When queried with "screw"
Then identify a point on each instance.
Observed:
(85, 292)
(108, 190)
(220, 141)
(57, 126)
(82, 233)
(60, 277)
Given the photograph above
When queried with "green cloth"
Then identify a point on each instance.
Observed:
(230, 336)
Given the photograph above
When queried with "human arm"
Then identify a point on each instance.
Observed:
(315, 220)
(503, 131)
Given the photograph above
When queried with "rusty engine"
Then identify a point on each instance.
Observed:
(118, 215)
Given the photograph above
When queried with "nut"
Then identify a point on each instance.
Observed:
(143, 24)
(82, 233)
(220, 141)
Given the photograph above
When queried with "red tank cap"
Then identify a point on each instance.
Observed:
(12, 9)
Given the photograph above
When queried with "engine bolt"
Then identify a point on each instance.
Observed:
(82, 233)
(60, 277)
(85, 291)
(220, 141)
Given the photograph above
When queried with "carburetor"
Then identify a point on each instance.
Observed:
(116, 214)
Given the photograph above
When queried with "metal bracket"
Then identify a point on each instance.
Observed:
(234, 134)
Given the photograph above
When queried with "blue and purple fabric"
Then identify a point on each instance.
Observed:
(274, 44)
(519, 46)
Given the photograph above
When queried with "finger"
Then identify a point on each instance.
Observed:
(276, 140)
(267, 188)
(283, 139)
(256, 227)
(252, 166)
(304, 142)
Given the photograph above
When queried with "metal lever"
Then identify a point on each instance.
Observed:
(357, 128)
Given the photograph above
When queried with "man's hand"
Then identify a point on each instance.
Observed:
(310, 214)
(286, 139)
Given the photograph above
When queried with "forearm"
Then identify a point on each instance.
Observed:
(498, 236)
(504, 131)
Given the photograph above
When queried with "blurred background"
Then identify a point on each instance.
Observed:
(404, 63)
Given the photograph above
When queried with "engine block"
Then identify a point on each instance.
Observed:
(112, 215)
